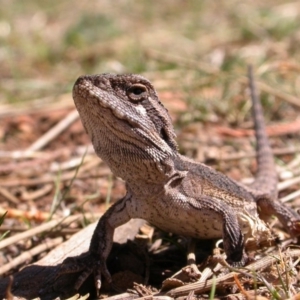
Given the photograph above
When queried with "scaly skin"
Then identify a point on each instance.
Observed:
(132, 132)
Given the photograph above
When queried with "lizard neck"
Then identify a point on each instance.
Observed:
(153, 177)
(135, 167)
(136, 171)
(142, 172)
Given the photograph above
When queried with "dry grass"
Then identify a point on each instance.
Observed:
(195, 52)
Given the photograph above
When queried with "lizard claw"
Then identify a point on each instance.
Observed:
(97, 279)
(241, 262)
(83, 277)
(85, 264)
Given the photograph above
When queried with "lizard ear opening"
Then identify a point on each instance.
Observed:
(137, 92)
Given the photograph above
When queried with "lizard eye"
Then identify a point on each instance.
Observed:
(137, 92)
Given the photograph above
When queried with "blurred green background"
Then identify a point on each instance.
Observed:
(195, 53)
(45, 45)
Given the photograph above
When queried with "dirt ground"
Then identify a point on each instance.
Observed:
(196, 54)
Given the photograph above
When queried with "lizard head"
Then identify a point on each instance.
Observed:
(123, 116)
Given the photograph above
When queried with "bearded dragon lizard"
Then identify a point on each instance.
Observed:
(132, 132)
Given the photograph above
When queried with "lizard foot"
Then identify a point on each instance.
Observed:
(294, 228)
(237, 263)
(86, 264)
(229, 263)
(236, 259)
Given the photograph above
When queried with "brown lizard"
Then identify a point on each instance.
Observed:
(132, 132)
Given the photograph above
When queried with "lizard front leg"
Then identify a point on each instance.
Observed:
(233, 238)
(216, 216)
(94, 261)
(102, 238)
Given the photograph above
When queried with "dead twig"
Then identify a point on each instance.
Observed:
(28, 255)
(31, 196)
(54, 131)
(290, 196)
(9, 196)
(200, 287)
(287, 183)
(52, 178)
(36, 230)
(52, 103)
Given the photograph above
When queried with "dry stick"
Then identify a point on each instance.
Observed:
(270, 90)
(51, 178)
(127, 296)
(285, 184)
(205, 286)
(208, 272)
(45, 155)
(71, 163)
(294, 164)
(31, 232)
(24, 154)
(62, 231)
(290, 196)
(292, 168)
(53, 103)
(39, 156)
(288, 98)
(54, 131)
(21, 154)
(5, 228)
(30, 196)
(45, 215)
(130, 296)
(36, 154)
(15, 166)
(27, 255)
(90, 162)
(9, 196)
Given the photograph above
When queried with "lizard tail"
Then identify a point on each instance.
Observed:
(266, 178)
